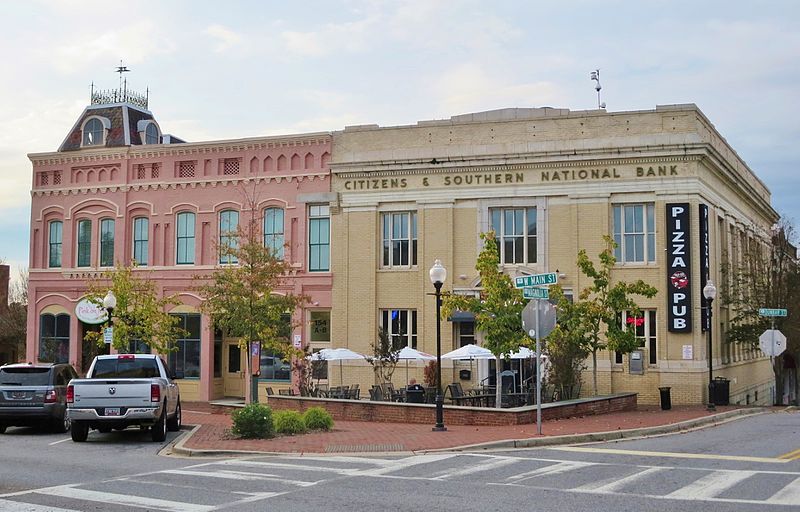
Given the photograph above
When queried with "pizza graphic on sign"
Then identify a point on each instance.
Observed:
(679, 280)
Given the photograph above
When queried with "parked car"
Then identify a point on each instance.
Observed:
(122, 390)
(35, 395)
(273, 367)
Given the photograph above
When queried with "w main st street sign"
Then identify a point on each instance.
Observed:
(536, 280)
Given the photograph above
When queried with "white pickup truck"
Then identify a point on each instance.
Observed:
(123, 390)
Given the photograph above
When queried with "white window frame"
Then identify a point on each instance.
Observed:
(394, 329)
(104, 123)
(228, 238)
(100, 241)
(524, 237)
(145, 241)
(408, 229)
(625, 236)
(319, 212)
(648, 340)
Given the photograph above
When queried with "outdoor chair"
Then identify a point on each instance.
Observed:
(376, 394)
(457, 394)
(335, 392)
(285, 392)
(354, 392)
(430, 395)
(270, 391)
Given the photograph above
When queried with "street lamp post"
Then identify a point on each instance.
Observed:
(710, 293)
(109, 303)
(438, 274)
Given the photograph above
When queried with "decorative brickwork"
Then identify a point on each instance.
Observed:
(230, 166)
(186, 169)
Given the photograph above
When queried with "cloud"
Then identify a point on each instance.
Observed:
(225, 37)
(331, 38)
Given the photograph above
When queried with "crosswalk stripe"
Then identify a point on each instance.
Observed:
(674, 455)
(300, 467)
(123, 499)
(789, 495)
(710, 485)
(406, 463)
(239, 475)
(554, 469)
(477, 468)
(18, 506)
(612, 485)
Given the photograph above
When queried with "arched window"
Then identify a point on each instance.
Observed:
(141, 230)
(93, 132)
(54, 338)
(56, 233)
(228, 236)
(84, 243)
(151, 134)
(185, 255)
(273, 231)
(107, 243)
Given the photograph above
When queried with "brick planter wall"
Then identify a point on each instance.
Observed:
(389, 412)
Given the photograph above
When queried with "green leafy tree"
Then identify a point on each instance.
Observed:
(140, 314)
(241, 297)
(766, 276)
(566, 345)
(601, 304)
(498, 310)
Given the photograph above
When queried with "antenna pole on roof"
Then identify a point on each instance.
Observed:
(595, 75)
(91, 93)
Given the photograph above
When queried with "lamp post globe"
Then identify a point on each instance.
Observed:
(710, 293)
(438, 274)
(109, 303)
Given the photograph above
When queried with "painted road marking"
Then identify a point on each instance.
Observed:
(240, 476)
(674, 455)
(123, 499)
(789, 495)
(612, 485)
(298, 467)
(555, 469)
(791, 455)
(18, 506)
(711, 485)
(485, 465)
(62, 441)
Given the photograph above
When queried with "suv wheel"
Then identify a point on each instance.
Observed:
(80, 431)
(174, 423)
(159, 430)
(61, 425)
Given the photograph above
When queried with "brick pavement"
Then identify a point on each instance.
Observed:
(352, 436)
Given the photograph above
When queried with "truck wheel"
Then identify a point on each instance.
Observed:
(80, 431)
(174, 423)
(159, 430)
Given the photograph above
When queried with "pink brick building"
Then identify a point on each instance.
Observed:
(119, 189)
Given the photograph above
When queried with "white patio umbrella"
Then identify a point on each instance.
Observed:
(526, 353)
(409, 354)
(336, 354)
(469, 352)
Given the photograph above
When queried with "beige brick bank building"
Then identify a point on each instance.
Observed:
(550, 182)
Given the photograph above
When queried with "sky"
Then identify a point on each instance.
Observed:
(223, 70)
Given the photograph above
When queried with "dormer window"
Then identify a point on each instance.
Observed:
(149, 132)
(94, 131)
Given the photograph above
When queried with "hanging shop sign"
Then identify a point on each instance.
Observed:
(679, 273)
(90, 313)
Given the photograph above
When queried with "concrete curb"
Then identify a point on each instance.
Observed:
(594, 437)
(178, 448)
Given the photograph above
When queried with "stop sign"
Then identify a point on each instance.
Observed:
(547, 318)
(772, 342)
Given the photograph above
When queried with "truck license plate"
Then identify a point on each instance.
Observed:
(112, 411)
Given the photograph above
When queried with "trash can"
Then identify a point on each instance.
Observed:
(666, 401)
(721, 391)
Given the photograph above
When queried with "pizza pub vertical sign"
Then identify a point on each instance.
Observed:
(704, 265)
(679, 272)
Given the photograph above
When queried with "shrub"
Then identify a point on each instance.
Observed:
(289, 422)
(253, 421)
(318, 418)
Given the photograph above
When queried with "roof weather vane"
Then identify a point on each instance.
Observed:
(595, 75)
(122, 69)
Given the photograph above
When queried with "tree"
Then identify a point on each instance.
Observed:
(241, 297)
(566, 345)
(384, 356)
(766, 275)
(498, 310)
(140, 315)
(13, 319)
(600, 306)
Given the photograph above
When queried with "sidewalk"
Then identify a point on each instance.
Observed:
(209, 436)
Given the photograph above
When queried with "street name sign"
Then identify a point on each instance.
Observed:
(772, 342)
(772, 312)
(535, 293)
(536, 280)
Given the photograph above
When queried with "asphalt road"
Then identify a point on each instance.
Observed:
(751, 464)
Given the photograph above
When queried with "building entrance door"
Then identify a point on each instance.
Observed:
(233, 369)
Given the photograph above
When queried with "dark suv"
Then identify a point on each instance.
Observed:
(35, 395)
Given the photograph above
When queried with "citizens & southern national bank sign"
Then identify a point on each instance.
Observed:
(504, 177)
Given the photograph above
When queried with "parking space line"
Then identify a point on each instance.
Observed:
(614, 484)
(62, 441)
(789, 495)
